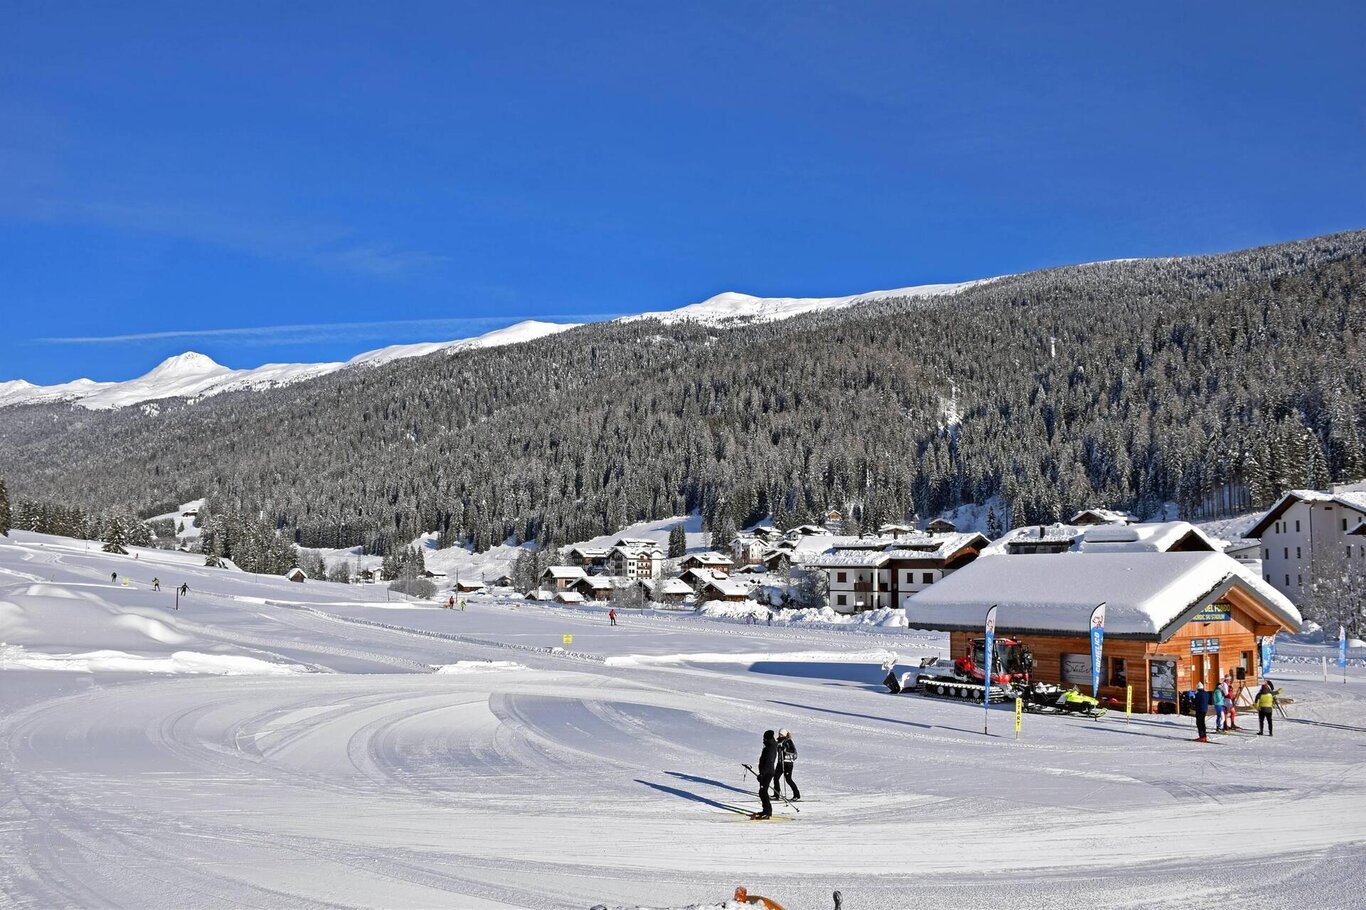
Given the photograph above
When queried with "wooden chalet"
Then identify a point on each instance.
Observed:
(1171, 619)
(709, 560)
(561, 578)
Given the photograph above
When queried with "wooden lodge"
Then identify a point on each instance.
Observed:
(1171, 619)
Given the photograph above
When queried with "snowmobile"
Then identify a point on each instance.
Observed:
(1045, 698)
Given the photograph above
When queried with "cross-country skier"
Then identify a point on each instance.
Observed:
(1220, 693)
(787, 755)
(1200, 704)
(450, 602)
(184, 590)
(612, 616)
(767, 770)
(113, 576)
(156, 584)
(1266, 702)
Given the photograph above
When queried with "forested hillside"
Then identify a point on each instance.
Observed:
(1128, 384)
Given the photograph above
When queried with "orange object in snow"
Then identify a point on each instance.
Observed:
(743, 896)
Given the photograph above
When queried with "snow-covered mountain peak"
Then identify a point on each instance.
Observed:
(188, 364)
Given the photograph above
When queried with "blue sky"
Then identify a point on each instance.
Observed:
(422, 171)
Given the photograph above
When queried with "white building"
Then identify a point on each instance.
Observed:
(870, 575)
(1309, 533)
(634, 560)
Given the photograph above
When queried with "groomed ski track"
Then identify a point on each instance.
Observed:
(607, 772)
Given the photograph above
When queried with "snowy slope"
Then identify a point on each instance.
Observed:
(192, 375)
(272, 744)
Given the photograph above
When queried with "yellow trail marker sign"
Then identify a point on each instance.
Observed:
(569, 639)
(1128, 703)
(1019, 715)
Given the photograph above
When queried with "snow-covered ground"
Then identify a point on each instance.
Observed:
(328, 746)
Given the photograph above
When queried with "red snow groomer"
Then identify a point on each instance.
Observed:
(1011, 663)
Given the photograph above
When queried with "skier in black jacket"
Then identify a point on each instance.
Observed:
(767, 770)
(787, 755)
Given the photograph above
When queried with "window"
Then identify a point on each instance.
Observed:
(1287, 552)
(840, 577)
(1266, 554)
(1287, 581)
(1299, 580)
(1299, 554)
(927, 578)
(1344, 524)
(1297, 526)
(1119, 672)
(841, 599)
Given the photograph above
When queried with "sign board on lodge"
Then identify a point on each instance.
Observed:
(1204, 646)
(1212, 614)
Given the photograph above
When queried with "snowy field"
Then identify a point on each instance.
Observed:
(309, 745)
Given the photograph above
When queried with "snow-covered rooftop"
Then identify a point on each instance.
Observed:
(563, 572)
(1146, 594)
(1101, 516)
(1154, 537)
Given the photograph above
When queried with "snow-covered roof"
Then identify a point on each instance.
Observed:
(589, 552)
(1153, 537)
(922, 547)
(1034, 534)
(1101, 516)
(563, 572)
(730, 587)
(635, 551)
(702, 574)
(1352, 499)
(1148, 596)
(711, 558)
(635, 542)
(569, 597)
(667, 586)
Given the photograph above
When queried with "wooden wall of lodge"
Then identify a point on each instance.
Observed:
(1237, 640)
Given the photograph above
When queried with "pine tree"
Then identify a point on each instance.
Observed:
(678, 541)
(6, 518)
(115, 536)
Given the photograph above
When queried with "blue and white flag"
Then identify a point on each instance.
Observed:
(1342, 647)
(1097, 643)
(1268, 653)
(988, 651)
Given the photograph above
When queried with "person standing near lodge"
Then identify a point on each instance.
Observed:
(787, 755)
(612, 615)
(767, 771)
(1266, 703)
(1220, 694)
(1200, 704)
(1230, 709)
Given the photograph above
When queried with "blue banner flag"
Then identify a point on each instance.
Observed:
(1342, 647)
(1097, 642)
(988, 651)
(1268, 653)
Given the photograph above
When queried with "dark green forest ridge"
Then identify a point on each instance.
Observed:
(1129, 384)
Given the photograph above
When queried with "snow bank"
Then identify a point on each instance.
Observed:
(821, 617)
(14, 657)
(476, 666)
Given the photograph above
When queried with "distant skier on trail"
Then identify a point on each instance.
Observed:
(450, 602)
(612, 616)
(184, 590)
(787, 755)
(156, 584)
(113, 577)
(1200, 704)
(767, 770)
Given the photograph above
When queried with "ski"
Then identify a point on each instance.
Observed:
(756, 777)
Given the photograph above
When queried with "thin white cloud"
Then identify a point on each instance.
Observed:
(320, 331)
